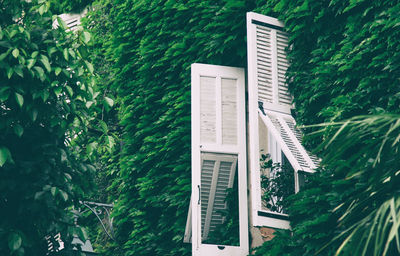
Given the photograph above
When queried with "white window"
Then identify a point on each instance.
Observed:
(219, 182)
(217, 221)
(271, 127)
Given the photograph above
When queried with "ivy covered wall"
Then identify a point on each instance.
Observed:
(344, 62)
(151, 45)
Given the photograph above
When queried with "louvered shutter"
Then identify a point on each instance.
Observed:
(270, 102)
(73, 21)
(282, 127)
(218, 156)
(217, 175)
(268, 63)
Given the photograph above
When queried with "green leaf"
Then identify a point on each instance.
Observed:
(3, 55)
(45, 95)
(45, 62)
(14, 241)
(34, 54)
(19, 98)
(18, 71)
(4, 155)
(15, 53)
(53, 190)
(109, 101)
(61, 23)
(4, 93)
(69, 90)
(31, 62)
(34, 114)
(40, 72)
(42, 9)
(86, 37)
(111, 143)
(51, 50)
(63, 194)
(89, 66)
(58, 90)
(71, 52)
(65, 53)
(89, 104)
(9, 72)
(19, 130)
(103, 126)
(38, 195)
(57, 71)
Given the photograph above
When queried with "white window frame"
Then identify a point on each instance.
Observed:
(259, 216)
(198, 70)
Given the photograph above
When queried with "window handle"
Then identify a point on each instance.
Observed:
(198, 202)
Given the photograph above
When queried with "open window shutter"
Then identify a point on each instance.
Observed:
(73, 21)
(217, 175)
(270, 101)
(268, 62)
(218, 157)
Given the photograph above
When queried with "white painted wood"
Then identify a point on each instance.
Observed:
(72, 20)
(293, 137)
(254, 154)
(229, 111)
(266, 52)
(210, 205)
(213, 188)
(274, 69)
(277, 135)
(201, 147)
(229, 149)
(267, 65)
(208, 103)
(272, 222)
(265, 19)
(187, 238)
(219, 110)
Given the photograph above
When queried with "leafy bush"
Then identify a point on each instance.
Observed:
(45, 84)
(343, 63)
(151, 45)
(277, 185)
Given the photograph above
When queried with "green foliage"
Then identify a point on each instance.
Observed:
(344, 63)
(370, 212)
(277, 185)
(45, 84)
(151, 45)
(68, 6)
(344, 59)
(103, 135)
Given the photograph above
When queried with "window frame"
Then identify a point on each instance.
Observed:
(259, 216)
(198, 70)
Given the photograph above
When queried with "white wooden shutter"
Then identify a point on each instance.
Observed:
(282, 127)
(217, 175)
(218, 154)
(73, 21)
(268, 62)
(270, 101)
